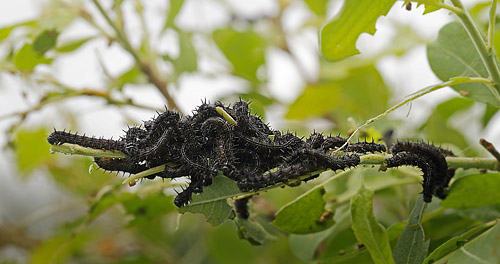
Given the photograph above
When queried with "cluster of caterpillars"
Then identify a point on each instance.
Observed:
(229, 139)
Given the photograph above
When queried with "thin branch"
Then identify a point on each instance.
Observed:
(414, 96)
(490, 148)
(370, 159)
(153, 76)
(489, 61)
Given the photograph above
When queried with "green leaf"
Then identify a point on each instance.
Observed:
(438, 126)
(72, 45)
(244, 49)
(366, 228)
(361, 92)
(306, 214)
(27, 58)
(73, 174)
(489, 113)
(173, 10)
(106, 199)
(132, 76)
(5, 31)
(430, 5)
(212, 202)
(411, 246)
(454, 244)
(59, 248)
(145, 209)
(304, 246)
(45, 41)
(317, 6)
(32, 149)
(453, 54)
(483, 249)
(187, 60)
(338, 37)
(473, 191)
(253, 231)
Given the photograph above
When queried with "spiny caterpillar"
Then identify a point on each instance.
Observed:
(219, 138)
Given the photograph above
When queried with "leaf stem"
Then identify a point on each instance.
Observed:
(491, 25)
(485, 53)
(414, 96)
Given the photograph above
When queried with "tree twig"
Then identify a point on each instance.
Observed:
(144, 65)
(490, 148)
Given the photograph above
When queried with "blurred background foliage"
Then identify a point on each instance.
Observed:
(92, 218)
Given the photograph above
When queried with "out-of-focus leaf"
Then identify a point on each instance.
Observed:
(483, 249)
(58, 14)
(361, 93)
(473, 191)
(453, 54)
(304, 246)
(454, 244)
(437, 125)
(59, 248)
(74, 175)
(72, 45)
(132, 76)
(253, 231)
(45, 41)
(317, 6)
(27, 58)
(107, 200)
(145, 209)
(411, 246)
(5, 31)
(212, 202)
(338, 37)
(32, 149)
(366, 228)
(187, 60)
(173, 10)
(489, 112)
(306, 214)
(482, 214)
(244, 49)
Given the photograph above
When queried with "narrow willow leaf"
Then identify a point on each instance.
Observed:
(72, 45)
(474, 191)
(483, 249)
(306, 214)
(338, 37)
(366, 228)
(212, 202)
(411, 246)
(454, 243)
(453, 54)
(5, 31)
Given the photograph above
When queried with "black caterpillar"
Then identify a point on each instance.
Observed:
(431, 160)
(219, 138)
